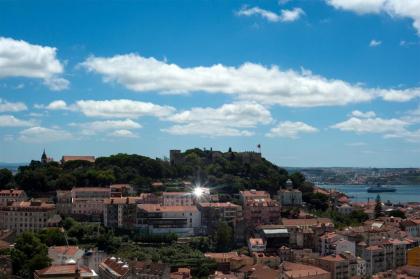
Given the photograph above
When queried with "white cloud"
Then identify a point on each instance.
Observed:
(57, 84)
(57, 105)
(11, 121)
(227, 120)
(375, 43)
(90, 128)
(395, 8)
(6, 106)
(356, 144)
(389, 128)
(284, 16)
(372, 125)
(22, 59)
(42, 134)
(123, 134)
(289, 129)
(360, 114)
(122, 108)
(116, 108)
(251, 82)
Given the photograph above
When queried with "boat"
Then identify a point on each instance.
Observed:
(380, 189)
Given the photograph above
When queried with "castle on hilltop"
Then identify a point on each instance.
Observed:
(176, 157)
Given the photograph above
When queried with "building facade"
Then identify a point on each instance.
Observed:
(182, 220)
(12, 195)
(28, 216)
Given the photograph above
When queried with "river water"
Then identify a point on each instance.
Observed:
(404, 193)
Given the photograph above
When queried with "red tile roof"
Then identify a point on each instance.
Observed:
(163, 208)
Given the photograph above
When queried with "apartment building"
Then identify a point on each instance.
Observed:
(121, 212)
(89, 201)
(177, 199)
(290, 270)
(214, 213)
(12, 195)
(182, 220)
(253, 195)
(337, 265)
(28, 215)
(289, 197)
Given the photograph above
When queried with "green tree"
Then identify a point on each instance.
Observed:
(223, 237)
(378, 207)
(397, 213)
(298, 179)
(6, 177)
(29, 254)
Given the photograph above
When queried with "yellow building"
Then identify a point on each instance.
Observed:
(413, 257)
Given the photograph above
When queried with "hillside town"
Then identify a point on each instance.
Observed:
(256, 235)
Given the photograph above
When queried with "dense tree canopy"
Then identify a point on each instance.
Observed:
(229, 171)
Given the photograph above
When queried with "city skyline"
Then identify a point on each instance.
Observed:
(316, 83)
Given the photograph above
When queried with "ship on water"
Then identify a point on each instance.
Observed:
(380, 189)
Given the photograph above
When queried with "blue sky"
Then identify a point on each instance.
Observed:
(316, 83)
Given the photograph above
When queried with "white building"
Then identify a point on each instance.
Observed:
(182, 220)
(289, 197)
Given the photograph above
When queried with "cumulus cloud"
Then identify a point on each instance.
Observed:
(22, 59)
(395, 8)
(91, 128)
(6, 106)
(249, 81)
(375, 43)
(122, 108)
(123, 134)
(228, 120)
(372, 125)
(116, 108)
(360, 114)
(284, 16)
(289, 129)
(58, 105)
(11, 121)
(41, 134)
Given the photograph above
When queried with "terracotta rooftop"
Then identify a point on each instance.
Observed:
(11, 192)
(253, 193)
(91, 189)
(333, 258)
(29, 205)
(124, 200)
(66, 269)
(219, 204)
(69, 251)
(305, 222)
(163, 208)
(296, 270)
(115, 266)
